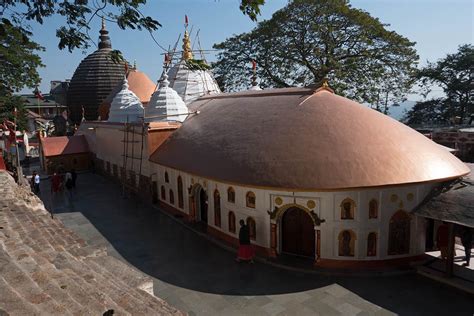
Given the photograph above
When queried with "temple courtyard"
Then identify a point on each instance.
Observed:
(200, 278)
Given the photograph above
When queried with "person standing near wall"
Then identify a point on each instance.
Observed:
(245, 252)
(74, 178)
(69, 185)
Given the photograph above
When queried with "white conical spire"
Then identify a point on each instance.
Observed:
(165, 104)
(125, 104)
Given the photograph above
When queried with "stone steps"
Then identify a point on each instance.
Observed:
(46, 269)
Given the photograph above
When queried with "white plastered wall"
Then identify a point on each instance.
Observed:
(327, 208)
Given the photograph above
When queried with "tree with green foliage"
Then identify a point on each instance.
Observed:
(18, 54)
(310, 40)
(19, 59)
(454, 74)
(8, 104)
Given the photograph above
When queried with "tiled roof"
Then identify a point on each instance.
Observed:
(64, 145)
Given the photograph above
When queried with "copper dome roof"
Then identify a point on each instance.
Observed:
(301, 139)
(93, 80)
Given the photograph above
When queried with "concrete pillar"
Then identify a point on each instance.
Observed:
(273, 239)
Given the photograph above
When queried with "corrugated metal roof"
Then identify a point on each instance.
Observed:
(455, 206)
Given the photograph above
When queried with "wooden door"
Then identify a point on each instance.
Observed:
(298, 233)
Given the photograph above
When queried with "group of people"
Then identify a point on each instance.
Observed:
(58, 182)
(68, 181)
(442, 240)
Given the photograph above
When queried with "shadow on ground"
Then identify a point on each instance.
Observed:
(169, 252)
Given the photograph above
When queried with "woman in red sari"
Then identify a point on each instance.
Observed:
(246, 252)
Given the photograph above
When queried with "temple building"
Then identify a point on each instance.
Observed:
(189, 78)
(166, 105)
(138, 82)
(95, 77)
(126, 106)
(313, 174)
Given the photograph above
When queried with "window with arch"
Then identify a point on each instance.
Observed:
(373, 209)
(347, 243)
(171, 197)
(372, 244)
(347, 209)
(399, 234)
(217, 208)
(231, 195)
(180, 193)
(231, 219)
(250, 199)
(163, 192)
(167, 178)
(252, 228)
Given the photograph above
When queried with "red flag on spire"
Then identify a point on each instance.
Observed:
(38, 94)
(254, 65)
(186, 20)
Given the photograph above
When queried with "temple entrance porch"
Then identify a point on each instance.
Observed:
(297, 233)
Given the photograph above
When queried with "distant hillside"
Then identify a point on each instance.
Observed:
(398, 112)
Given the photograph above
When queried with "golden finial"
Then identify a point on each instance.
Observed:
(103, 23)
(324, 86)
(187, 54)
(325, 83)
(135, 64)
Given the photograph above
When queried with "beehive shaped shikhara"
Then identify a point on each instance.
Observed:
(93, 80)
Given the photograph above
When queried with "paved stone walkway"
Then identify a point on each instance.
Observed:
(200, 278)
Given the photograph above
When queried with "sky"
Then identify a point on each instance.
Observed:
(437, 26)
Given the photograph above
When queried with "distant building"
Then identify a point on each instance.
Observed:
(47, 108)
(459, 138)
(64, 153)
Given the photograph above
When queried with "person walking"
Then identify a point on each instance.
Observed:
(37, 180)
(32, 181)
(466, 240)
(442, 239)
(69, 185)
(56, 183)
(74, 178)
(245, 252)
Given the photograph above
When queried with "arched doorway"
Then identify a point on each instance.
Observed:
(297, 230)
(201, 204)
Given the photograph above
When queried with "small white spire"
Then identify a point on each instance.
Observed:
(125, 83)
(165, 82)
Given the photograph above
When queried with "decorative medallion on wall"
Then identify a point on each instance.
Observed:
(311, 204)
(278, 201)
(410, 196)
(394, 198)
